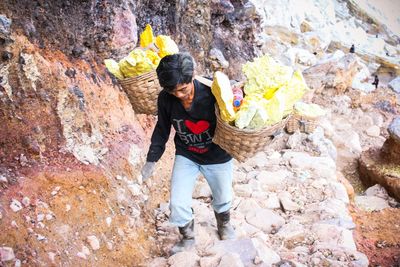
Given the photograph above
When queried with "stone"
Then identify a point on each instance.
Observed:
(246, 205)
(373, 131)
(218, 60)
(346, 184)
(230, 260)
(394, 130)
(285, 199)
(26, 201)
(3, 179)
(161, 262)
(371, 203)
(377, 191)
(266, 254)
(265, 219)
(15, 205)
(339, 191)
(272, 180)
(93, 242)
(189, 259)
(243, 190)
(272, 202)
(395, 84)
(5, 27)
(6, 254)
(244, 248)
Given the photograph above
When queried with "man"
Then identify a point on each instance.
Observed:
(188, 106)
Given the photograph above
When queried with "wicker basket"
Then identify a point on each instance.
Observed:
(243, 144)
(142, 92)
(303, 123)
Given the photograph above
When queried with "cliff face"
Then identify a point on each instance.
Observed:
(71, 144)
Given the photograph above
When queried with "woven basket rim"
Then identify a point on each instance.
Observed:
(143, 76)
(247, 131)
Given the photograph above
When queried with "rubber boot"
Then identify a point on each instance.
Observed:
(225, 229)
(187, 241)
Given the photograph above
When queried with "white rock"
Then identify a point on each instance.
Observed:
(273, 178)
(265, 219)
(109, 246)
(371, 203)
(93, 242)
(272, 202)
(81, 255)
(373, 131)
(108, 221)
(377, 191)
(52, 257)
(85, 250)
(26, 201)
(395, 84)
(339, 191)
(187, 259)
(15, 205)
(6, 254)
(231, 260)
(267, 255)
(67, 207)
(17, 263)
(135, 189)
(3, 179)
(243, 190)
(40, 217)
(49, 217)
(246, 205)
(287, 202)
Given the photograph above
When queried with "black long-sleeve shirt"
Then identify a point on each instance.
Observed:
(194, 128)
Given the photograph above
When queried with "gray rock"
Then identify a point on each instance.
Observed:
(394, 129)
(5, 26)
(377, 191)
(395, 84)
(371, 203)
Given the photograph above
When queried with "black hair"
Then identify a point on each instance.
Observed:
(175, 69)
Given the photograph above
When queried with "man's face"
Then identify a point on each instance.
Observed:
(183, 91)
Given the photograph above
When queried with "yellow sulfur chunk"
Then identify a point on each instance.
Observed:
(221, 89)
(136, 63)
(153, 56)
(292, 92)
(146, 37)
(113, 67)
(246, 113)
(265, 76)
(166, 46)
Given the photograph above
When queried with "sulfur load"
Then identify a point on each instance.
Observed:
(221, 89)
(271, 90)
(144, 59)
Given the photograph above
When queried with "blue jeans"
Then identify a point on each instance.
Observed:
(184, 176)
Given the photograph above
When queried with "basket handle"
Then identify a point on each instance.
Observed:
(203, 80)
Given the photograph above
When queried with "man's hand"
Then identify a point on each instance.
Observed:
(148, 170)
